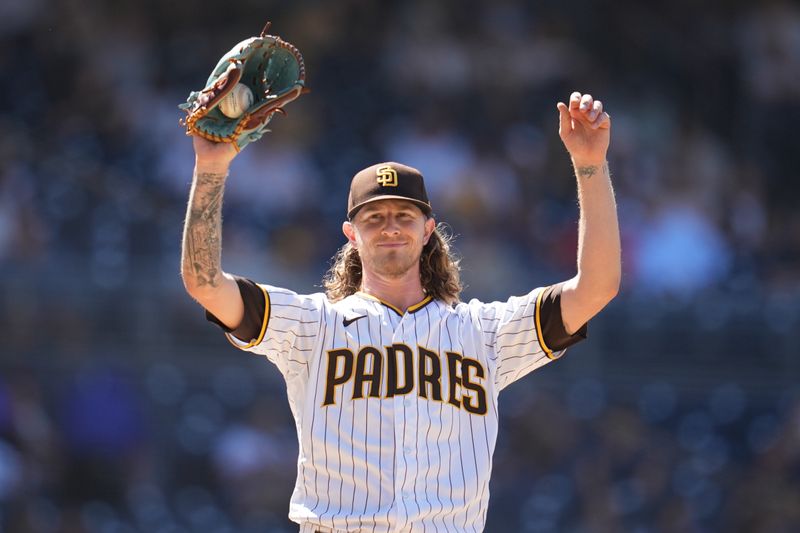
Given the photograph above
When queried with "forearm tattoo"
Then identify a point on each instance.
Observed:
(589, 171)
(202, 237)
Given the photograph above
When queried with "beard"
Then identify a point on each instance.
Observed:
(392, 263)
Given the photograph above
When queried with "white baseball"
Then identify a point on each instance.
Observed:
(237, 101)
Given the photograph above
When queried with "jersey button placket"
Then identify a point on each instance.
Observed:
(408, 404)
(402, 471)
(409, 448)
(405, 432)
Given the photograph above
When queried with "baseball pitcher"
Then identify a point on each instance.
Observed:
(392, 380)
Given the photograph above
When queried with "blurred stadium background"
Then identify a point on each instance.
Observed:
(122, 410)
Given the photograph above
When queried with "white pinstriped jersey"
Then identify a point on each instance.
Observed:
(396, 413)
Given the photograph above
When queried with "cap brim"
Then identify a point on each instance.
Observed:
(425, 208)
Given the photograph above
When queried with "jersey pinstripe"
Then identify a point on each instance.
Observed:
(396, 413)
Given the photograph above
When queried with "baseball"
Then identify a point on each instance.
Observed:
(237, 101)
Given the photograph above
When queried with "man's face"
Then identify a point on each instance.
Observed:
(389, 236)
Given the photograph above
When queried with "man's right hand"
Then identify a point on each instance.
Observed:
(213, 156)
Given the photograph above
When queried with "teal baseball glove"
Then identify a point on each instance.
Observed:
(248, 86)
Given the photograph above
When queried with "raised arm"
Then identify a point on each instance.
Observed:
(201, 255)
(585, 130)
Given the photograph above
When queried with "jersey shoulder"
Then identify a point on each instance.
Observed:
(282, 294)
(497, 308)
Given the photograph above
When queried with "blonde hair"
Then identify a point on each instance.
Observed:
(438, 270)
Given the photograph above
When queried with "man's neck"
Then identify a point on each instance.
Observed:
(402, 292)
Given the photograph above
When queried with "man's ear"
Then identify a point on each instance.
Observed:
(430, 226)
(349, 231)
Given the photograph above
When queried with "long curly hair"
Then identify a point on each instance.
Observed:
(439, 270)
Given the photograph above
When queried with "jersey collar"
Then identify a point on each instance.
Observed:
(412, 309)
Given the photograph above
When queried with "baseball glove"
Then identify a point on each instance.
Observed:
(270, 67)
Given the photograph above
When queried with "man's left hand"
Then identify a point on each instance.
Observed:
(584, 128)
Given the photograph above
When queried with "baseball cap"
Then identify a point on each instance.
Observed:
(386, 181)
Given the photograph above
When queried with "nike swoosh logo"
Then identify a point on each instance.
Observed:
(347, 321)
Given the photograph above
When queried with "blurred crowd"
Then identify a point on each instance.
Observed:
(96, 168)
(108, 424)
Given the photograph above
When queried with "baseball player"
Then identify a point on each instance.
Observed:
(393, 382)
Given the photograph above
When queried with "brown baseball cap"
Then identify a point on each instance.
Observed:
(386, 181)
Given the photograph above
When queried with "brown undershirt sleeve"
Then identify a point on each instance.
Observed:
(254, 305)
(553, 332)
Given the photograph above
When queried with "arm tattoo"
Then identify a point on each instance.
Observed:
(588, 172)
(202, 236)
